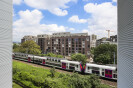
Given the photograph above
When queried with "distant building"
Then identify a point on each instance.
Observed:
(65, 43)
(93, 39)
(29, 37)
(111, 40)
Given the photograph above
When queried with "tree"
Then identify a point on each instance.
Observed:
(79, 57)
(30, 47)
(52, 71)
(104, 53)
(59, 56)
(51, 55)
(54, 55)
(16, 48)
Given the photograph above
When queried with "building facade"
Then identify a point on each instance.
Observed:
(6, 43)
(125, 44)
(93, 39)
(111, 40)
(29, 37)
(65, 43)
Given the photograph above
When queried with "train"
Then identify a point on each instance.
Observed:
(109, 72)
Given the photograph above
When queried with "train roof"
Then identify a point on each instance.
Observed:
(73, 62)
(56, 58)
(101, 66)
(40, 57)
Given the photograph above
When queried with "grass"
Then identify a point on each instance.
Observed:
(16, 85)
(35, 77)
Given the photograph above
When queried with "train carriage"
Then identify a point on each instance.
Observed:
(37, 59)
(20, 56)
(101, 70)
(53, 61)
(71, 65)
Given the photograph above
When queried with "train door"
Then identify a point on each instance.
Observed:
(64, 65)
(29, 59)
(43, 61)
(108, 73)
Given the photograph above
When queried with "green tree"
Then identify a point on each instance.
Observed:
(79, 57)
(30, 47)
(104, 53)
(54, 55)
(52, 71)
(16, 48)
(51, 55)
(59, 56)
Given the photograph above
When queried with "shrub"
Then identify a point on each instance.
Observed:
(52, 71)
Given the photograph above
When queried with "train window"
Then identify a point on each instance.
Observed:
(58, 60)
(72, 64)
(55, 60)
(102, 69)
(110, 72)
(77, 66)
(88, 68)
(102, 73)
(94, 68)
(106, 72)
(115, 75)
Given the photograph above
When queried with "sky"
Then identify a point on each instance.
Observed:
(33, 17)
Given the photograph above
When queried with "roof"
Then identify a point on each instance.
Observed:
(101, 66)
(72, 62)
(40, 57)
(56, 58)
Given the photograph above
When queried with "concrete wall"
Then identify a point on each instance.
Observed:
(5, 43)
(125, 43)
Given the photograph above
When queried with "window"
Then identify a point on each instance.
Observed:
(77, 66)
(115, 75)
(89, 68)
(95, 68)
(102, 73)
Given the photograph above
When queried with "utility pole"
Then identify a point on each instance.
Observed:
(114, 58)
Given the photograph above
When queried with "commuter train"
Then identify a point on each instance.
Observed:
(109, 72)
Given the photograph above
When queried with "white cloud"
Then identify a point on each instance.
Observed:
(114, 0)
(103, 17)
(71, 29)
(59, 12)
(17, 2)
(75, 19)
(56, 7)
(85, 31)
(29, 24)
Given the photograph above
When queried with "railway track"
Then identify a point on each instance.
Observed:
(103, 81)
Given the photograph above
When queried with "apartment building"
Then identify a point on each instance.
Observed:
(93, 39)
(29, 37)
(111, 40)
(65, 43)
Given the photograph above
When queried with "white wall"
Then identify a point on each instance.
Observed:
(125, 43)
(5, 43)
